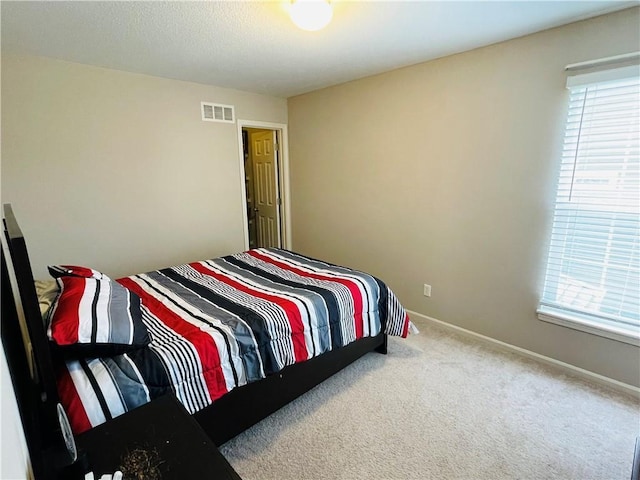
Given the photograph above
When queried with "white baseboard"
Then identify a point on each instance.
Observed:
(580, 372)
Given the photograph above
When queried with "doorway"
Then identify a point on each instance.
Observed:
(264, 185)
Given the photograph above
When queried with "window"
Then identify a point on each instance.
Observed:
(592, 279)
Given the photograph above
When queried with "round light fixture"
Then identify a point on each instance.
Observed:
(311, 15)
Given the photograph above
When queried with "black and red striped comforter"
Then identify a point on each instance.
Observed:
(219, 324)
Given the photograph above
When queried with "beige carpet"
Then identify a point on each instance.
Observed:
(440, 406)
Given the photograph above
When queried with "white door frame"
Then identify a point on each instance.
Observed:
(283, 181)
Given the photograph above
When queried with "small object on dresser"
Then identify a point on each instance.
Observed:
(116, 476)
(141, 464)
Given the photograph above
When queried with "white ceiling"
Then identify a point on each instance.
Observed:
(253, 46)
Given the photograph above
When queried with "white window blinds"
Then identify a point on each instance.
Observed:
(593, 269)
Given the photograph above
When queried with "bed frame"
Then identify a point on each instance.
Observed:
(32, 365)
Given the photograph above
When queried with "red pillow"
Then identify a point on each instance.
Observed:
(94, 317)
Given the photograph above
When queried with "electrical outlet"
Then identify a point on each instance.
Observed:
(427, 290)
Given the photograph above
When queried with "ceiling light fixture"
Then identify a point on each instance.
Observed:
(311, 15)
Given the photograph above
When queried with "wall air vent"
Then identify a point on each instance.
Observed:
(215, 112)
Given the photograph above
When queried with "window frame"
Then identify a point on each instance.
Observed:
(565, 316)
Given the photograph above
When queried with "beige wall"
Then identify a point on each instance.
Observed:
(117, 170)
(444, 172)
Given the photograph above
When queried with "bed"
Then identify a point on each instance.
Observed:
(267, 325)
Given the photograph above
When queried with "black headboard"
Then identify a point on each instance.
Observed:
(28, 355)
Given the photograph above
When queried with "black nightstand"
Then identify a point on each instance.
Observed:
(163, 426)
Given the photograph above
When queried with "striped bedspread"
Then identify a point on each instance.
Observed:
(219, 324)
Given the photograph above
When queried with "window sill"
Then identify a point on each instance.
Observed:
(629, 335)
